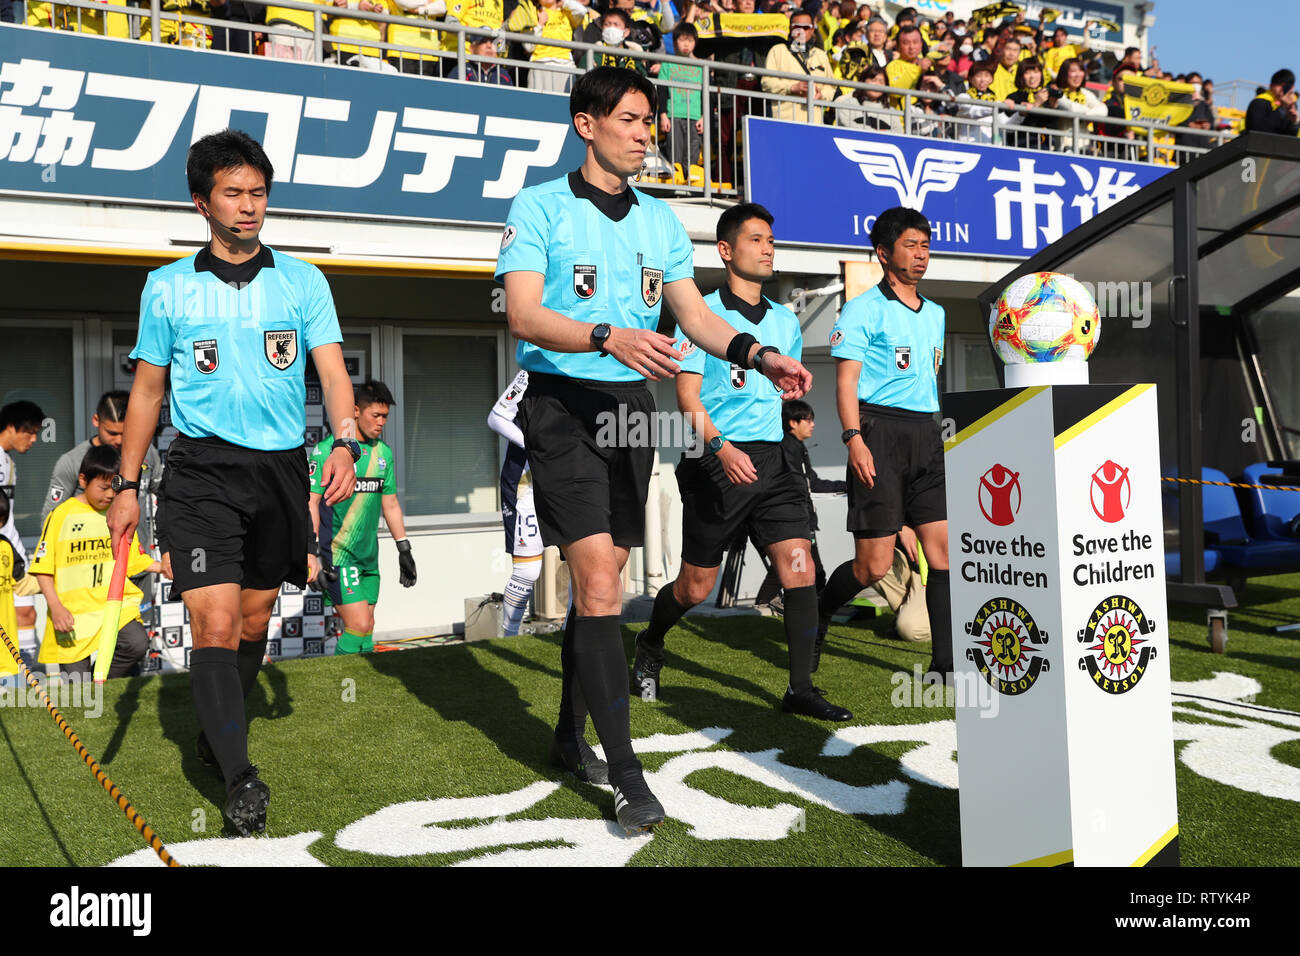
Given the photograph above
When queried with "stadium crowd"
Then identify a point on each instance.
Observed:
(965, 70)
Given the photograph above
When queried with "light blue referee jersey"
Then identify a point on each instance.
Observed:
(900, 350)
(743, 404)
(237, 355)
(596, 268)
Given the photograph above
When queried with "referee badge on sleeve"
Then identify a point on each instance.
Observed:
(652, 285)
(584, 281)
(837, 336)
(205, 356)
(281, 347)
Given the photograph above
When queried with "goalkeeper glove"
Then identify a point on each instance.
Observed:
(406, 562)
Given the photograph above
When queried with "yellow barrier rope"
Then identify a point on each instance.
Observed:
(137, 821)
(1232, 484)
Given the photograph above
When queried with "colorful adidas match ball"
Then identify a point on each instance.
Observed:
(1044, 317)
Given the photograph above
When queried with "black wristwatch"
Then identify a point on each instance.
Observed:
(351, 444)
(121, 484)
(599, 336)
(758, 356)
(847, 435)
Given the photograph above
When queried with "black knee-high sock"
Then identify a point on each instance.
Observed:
(667, 612)
(801, 634)
(572, 721)
(219, 701)
(938, 604)
(840, 590)
(250, 662)
(601, 668)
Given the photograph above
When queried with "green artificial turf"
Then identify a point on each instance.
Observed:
(343, 738)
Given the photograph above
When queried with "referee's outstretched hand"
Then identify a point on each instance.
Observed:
(644, 351)
(787, 374)
(338, 476)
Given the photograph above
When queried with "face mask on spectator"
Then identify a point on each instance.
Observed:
(966, 49)
(612, 36)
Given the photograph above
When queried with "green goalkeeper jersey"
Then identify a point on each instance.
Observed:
(349, 530)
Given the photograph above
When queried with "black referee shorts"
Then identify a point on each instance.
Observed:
(908, 451)
(774, 508)
(230, 514)
(590, 452)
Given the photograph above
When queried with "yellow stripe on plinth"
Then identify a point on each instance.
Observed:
(1055, 859)
(1156, 847)
(1113, 405)
(1006, 408)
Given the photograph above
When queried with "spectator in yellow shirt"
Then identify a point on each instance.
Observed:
(73, 565)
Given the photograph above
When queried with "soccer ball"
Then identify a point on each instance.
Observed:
(1044, 317)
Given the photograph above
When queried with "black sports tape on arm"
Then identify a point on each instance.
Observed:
(738, 349)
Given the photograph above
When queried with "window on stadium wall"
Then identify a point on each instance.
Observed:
(1279, 356)
(49, 353)
(450, 460)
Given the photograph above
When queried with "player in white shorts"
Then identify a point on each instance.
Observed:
(523, 539)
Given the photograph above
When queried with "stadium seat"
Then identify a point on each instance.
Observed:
(1229, 548)
(1269, 512)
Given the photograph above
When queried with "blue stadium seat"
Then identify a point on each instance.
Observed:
(1269, 512)
(1229, 548)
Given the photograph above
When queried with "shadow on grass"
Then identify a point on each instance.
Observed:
(453, 683)
(127, 704)
(49, 824)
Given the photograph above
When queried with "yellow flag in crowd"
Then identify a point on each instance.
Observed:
(743, 25)
(1161, 101)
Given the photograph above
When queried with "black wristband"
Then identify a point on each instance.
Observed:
(313, 546)
(738, 349)
(758, 356)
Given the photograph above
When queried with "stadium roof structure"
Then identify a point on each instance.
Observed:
(1184, 269)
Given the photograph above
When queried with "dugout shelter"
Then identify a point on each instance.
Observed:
(1196, 277)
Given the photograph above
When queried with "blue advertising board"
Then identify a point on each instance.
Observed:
(105, 118)
(980, 200)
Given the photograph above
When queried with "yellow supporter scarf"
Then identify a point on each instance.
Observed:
(1076, 96)
(981, 95)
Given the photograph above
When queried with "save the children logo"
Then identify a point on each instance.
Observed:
(1118, 657)
(1110, 492)
(1000, 495)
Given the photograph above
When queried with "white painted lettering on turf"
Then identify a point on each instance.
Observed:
(409, 829)
(931, 763)
(712, 818)
(236, 851)
(1239, 755)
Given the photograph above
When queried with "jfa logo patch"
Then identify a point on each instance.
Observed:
(903, 357)
(652, 285)
(282, 347)
(205, 356)
(584, 281)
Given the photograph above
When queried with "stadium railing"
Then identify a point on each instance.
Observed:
(730, 91)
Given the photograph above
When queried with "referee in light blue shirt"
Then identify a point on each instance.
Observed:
(586, 261)
(233, 324)
(745, 481)
(888, 346)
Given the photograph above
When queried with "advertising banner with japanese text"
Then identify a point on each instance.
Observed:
(980, 200)
(106, 118)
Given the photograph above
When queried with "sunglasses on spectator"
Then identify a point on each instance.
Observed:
(801, 26)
